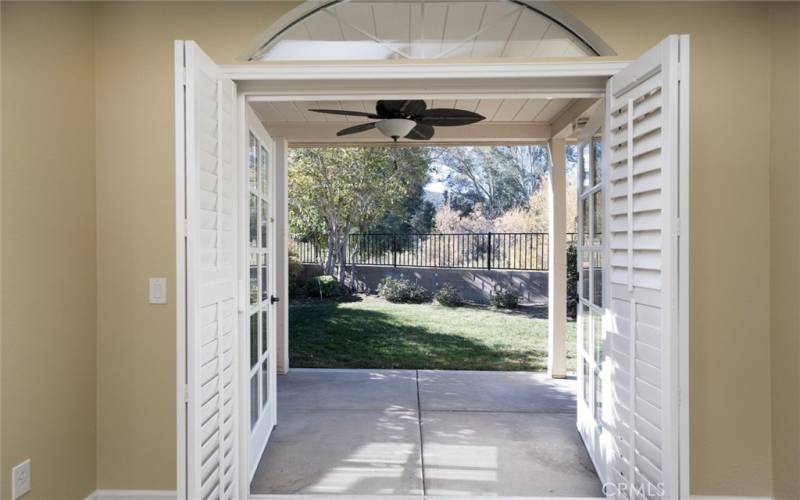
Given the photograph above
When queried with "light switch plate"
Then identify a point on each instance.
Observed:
(21, 479)
(158, 290)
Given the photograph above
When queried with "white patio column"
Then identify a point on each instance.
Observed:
(282, 254)
(557, 263)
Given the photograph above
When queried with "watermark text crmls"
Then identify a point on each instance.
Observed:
(629, 490)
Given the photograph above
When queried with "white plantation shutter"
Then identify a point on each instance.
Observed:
(211, 278)
(643, 138)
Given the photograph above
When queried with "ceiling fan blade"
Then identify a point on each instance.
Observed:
(422, 132)
(346, 113)
(362, 127)
(400, 109)
(443, 117)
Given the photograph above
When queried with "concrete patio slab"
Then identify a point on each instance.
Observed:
(342, 452)
(446, 390)
(335, 389)
(505, 454)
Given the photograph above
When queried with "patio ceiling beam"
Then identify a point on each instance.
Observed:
(321, 133)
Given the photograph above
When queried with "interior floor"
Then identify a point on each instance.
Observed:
(421, 432)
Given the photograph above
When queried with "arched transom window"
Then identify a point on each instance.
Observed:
(426, 29)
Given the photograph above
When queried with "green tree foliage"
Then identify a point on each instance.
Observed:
(336, 191)
(496, 177)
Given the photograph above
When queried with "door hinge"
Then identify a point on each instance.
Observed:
(184, 74)
(185, 393)
(678, 227)
(186, 228)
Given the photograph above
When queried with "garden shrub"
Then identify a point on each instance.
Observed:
(296, 276)
(448, 296)
(323, 286)
(403, 291)
(505, 299)
(572, 281)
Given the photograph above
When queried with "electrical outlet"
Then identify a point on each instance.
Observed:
(20, 479)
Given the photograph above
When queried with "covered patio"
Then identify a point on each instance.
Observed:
(423, 432)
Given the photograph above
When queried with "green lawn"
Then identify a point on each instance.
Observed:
(372, 333)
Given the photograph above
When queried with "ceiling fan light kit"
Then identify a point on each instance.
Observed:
(396, 128)
(410, 119)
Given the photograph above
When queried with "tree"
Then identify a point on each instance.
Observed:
(334, 191)
(498, 177)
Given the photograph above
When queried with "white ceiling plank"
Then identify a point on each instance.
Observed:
(393, 26)
(323, 27)
(526, 34)
(488, 108)
(443, 103)
(530, 109)
(435, 16)
(468, 104)
(463, 20)
(552, 110)
(289, 112)
(508, 110)
(498, 23)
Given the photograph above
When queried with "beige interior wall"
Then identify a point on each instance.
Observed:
(731, 445)
(48, 258)
(730, 375)
(785, 247)
(135, 221)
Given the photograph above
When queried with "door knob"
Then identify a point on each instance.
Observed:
(273, 299)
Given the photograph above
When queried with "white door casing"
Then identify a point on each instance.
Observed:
(206, 141)
(645, 179)
(257, 310)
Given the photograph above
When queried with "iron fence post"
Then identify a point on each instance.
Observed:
(489, 252)
(394, 250)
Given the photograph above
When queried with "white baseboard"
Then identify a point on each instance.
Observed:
(133, 495)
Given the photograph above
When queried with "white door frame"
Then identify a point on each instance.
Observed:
(385, 80)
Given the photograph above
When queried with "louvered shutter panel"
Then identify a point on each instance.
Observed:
(211, 294)
(642, 127)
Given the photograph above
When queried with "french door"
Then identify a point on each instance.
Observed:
(259, 366)
(633, 278)
(208, 273)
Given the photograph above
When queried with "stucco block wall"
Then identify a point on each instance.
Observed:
(88, 216)
(48, 259)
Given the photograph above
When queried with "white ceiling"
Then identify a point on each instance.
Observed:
(425, 29)
(495, 110)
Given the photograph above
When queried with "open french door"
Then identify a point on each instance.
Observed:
(208, 275)
(259, 361)
(633, 278)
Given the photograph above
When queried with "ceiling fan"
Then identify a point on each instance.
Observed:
(410, 119)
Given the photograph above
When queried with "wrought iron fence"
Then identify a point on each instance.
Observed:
(510, 251)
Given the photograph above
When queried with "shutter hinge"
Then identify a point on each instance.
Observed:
(678, 227)
(186, 228)
(185, 393)
(184, 76)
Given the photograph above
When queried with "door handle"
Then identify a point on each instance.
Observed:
(273, 299)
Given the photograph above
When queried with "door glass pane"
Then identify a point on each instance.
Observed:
(597, 221)
(598, 397)
(264, 239)
(585, 162)
(264, 326)
(264, 157)
(585, 274)
(253, 163)
(264, 383)
(597, 277)
(254, 401)
(586, 322)
(599, 336)
(264, 278)
(253, 278)
(586, 221)
(253, 221)
(253, 340)
(597, 152)
(586, 382)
